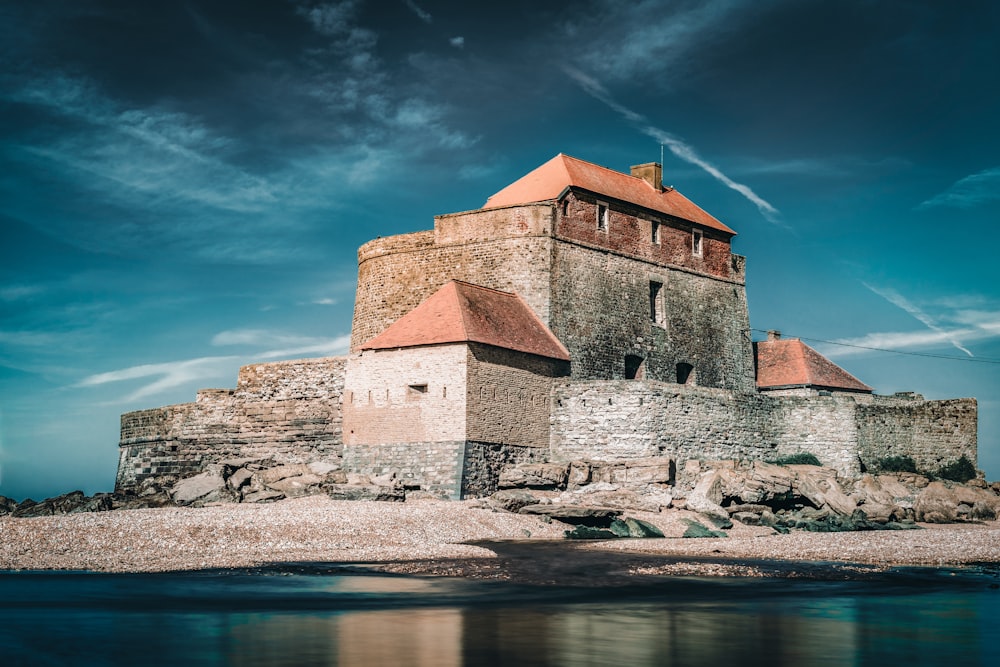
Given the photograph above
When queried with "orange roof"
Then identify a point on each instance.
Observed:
(550, 180)
(791, 363)
(461, 312)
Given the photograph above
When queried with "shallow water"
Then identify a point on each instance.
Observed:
(323, 616)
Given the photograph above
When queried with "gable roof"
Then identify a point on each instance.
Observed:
(550, 180)
(783, 364)
(462, 312)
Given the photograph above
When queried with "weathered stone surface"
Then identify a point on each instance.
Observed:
(820, 487)
(264, 496)
(634, 471)
(696, 529)
(983, 512)
(640, 528)
(322, 468)
(202, 488)
(579, 474)
(64, 504)
(7, 505)
(512, 500)
(271, 475)
(575, 514)
(936, 504)
(649, 498)
(706, 496)
(582, 532)
(535, 476)
(365, 492)
(239, 478)
(297, 486)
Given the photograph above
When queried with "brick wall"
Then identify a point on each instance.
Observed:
(382, 406)
(288, 411)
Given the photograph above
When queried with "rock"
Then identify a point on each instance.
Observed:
(357, 479)
(535, 476)
(640, 528)
(706, 496)
(632, 472)
(765, 481)
(983, 512)
(575, 514)
(205, 487)
(99, 502)
(589, 533)
(265, 496)
(619, 528)
(819, 486)
(336, 477)
(64, 504)
(912, 480)
(512, 500)
(579, 474)
(301, 485)
(365, 492)
(936, 504)
(697, 529)
(645, 499)
(747, 518)
(970, 495)
(271, 475)
(322, 468)
(239, 478)
(386, 480)
(7, 505)
(977, 483)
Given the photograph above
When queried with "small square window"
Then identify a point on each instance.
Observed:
(696, 242)
(602, 216)
(416, 389)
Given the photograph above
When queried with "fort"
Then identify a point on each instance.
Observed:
(581, 313)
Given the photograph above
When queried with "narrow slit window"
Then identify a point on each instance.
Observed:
(696, 242)
(654, 233)
(602, 216)
(656, 314)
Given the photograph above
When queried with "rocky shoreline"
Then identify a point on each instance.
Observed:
(454, 538)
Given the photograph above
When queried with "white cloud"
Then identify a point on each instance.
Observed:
(421, 13)
(330, 18)
(678, 147)
(169, 375)
(282, 344)
(457, 42)
(979, 188)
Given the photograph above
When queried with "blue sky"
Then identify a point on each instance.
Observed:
(185, 184)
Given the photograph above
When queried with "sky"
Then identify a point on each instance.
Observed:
(184, 185)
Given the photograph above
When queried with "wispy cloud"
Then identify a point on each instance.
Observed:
(168, 375)
(973, 190)
(457, 42)
(422, 14)
(898, 300)
(678, 147)
(282, 344)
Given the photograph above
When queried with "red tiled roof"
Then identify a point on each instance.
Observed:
(552, 178)
(792, 363)
(461, 312)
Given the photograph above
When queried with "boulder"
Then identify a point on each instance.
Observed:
(297, 486)
(819, 486)
(271, 475)
(365, 492)
(705, 499)
(336, 477)
(512, 500)
(652, 470)
(971, 495)
(574, 514)
(99, 502)
(589, 533)
(64, 504)
(239, 478)
(264, 496)
(535, 476)
(7, 505)
(205, 487)
(765, 481)
(579, 474)
(650, 498)
(640, 528)
(698, 529)
(936, 504)
(322, 468)
(983, 512)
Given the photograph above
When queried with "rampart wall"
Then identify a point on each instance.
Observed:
(288, 411)
(619, 419)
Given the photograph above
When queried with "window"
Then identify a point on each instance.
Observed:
(602, 216)
(696, 239)
(655, 232)
(656, 314)
(416, 390)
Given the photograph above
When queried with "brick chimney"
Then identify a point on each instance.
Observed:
(651, 172)
(773, 334)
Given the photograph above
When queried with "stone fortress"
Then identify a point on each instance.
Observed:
(581, 313)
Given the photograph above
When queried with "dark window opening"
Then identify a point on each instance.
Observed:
(656, 314)
(655, 232)
(602, 217)
(684, 372)
(696, 239)
(634, 367)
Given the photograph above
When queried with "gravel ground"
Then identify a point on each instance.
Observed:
(430, 537)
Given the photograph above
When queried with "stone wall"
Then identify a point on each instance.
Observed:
(508, 396)
(409, 395)
(288, 411)
(932, 433)
(601, 312)
(620, 419)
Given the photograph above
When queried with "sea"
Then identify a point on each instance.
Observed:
(299, 614)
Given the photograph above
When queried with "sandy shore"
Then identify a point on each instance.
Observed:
(433, 537)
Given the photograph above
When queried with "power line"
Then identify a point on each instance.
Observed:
(981, 360)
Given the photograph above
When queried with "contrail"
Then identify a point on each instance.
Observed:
(685, 152)
(898, 300)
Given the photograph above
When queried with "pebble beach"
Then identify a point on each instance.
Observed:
(440, 537)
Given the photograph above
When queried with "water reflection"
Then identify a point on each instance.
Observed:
(747, 628)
